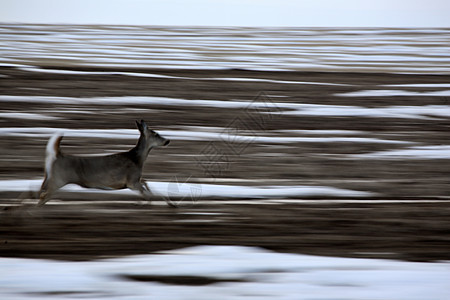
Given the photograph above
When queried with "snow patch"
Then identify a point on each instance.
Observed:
(211, 134)
(390, 93)
(299, 109)
(180, 190)
(27, 116)
(405, 112)
(259, 273)
(417, 152)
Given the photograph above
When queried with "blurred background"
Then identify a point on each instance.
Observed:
(359, 109)
(317, 129)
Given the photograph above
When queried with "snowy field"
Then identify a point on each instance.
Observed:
(330, 142)
(325, 49)
(177, 190)
(224, 272)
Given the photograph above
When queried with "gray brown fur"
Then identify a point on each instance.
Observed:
(116, 171)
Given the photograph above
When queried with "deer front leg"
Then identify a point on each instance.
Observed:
(148, 191)
(143, 190)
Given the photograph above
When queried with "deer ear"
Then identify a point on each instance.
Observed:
(143, 124)
(139, 125)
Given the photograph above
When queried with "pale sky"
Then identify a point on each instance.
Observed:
(299, 13)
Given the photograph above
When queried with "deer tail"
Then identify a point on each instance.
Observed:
(51, 152)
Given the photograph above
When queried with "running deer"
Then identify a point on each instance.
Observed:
(109, 172)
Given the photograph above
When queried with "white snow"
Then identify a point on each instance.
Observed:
(176, 188)
(26, 116)
(129, 100)
(212, 134)
(390, 93)
(400, 111)
(323, 132)
(302, 49)
(298, 109)
(150, 75)
(422, 85)
(262, 274)
(416, 152)
(49, 131)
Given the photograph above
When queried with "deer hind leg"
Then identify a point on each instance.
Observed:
(48, 187)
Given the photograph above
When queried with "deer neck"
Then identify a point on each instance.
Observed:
(141, 150)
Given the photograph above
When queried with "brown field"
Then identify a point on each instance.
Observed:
(406, 217)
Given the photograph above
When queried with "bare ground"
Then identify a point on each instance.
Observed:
(98, 227)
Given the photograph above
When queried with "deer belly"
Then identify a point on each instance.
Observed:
(99, 183)
(100, 177)
(117, 186)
